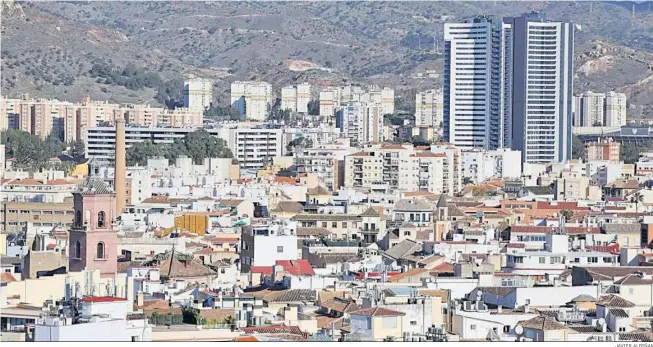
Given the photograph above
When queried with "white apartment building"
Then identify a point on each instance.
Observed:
(327, 162)
(296, 98)
(542, 75)
(589, 109)
(480, 165)
(32, 190)
(320, 134)
(255, 147)
(473, 83)
(253, 100)
(361, 122)
(391, 167)
(615, 109)
(263, 245)
(453, 170)
(329, 101)
(598, 109)
(198, 94)
(428, 108)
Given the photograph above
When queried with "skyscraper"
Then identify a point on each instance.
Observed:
(542, 78)
(473, 83)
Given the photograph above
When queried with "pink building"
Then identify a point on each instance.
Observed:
(93, 242)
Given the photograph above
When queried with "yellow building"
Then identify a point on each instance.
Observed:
(196, 223)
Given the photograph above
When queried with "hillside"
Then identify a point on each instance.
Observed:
(388, 43)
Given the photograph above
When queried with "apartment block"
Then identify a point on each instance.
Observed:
(253, 100)
(615, 109)
(473, 83)
(255, 147)
(361, 122)
(603, 151)
(389, 167)
(542, 74)
(289, 98)
(329, 101)
(589, 110)
(198, 94)
(480, 165)
(428, 108)
(296, 98)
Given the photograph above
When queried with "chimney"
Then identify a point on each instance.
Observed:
(140, 299)
(119, 181)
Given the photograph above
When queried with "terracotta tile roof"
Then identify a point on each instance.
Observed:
(288, 206)
(7, 277)
(274, 329)
(246, 339)
(296, 267)
(408, 274)
(441, 293)
(618, 312)
(359, 154)
(217, 315)
(177, 265)
(207, 250)
(319, 190)
(377, 312)
(324, 322)
(123, 266)
(266, 270)
(293, 295)
(341, 305)
(370, 212)
(515, 245)
(285, 180)
(324, 296)
(542, 323)
(612, 273)
(230, 202)
(614, 301)
(442, 268)
(429, 155)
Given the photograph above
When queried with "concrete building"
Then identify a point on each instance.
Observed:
(263, 245)
(600, 109)
(198, 94)
(296, 98)
(329, 102)
(473, 66)
(615, 109)
(480, 165)
(253, 100)
(609, 151)
(429, 109)
(255, 147)
(361, 123)
(542, 74)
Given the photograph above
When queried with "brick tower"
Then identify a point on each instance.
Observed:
(93, 241)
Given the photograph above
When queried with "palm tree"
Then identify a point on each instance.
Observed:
(636, 199)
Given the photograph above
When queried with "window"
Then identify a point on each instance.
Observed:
(389, 322)
(506, 328)
(592, 259)
(555, 336)
(622, 329)
(472, 327)
(406, 233)
(324, 224)
(542, 260)
(9, 270)
(555, 260)
(413, 322)
(519, 260)
(334, 224)
(100, 250)
(607, 260)
(344, 225)
(279, 249)
(100, 220)
(630, 291)
(78, 250)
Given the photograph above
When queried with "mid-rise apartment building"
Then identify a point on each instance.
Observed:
(480, 165)
(253, 100)
(255, 147)
(361, 122)
(603, 151)
(389, 167)
(263, 245)
(296, 98)
(428, 108)
(198, 94)
(598, 109)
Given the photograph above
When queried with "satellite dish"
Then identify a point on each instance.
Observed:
(601, 322)
(519, 330)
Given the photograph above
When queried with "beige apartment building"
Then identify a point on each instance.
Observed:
(615, 109)
(252, 99)
(389, 167)
(198, 94)
(600, 109)
(428, 108)
(15, 215)
(296, 98)
(603, 151)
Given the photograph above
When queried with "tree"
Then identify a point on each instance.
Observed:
(30, 151)
(467, 180)
(568, 214)
(77, 149)
(577, 148)
(630, 150)
(197, 145)
(314, 107)
(139, 153)
(299, 144)
(636, 198)
(222, 113)
(417, 140)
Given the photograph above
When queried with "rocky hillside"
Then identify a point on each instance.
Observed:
(389, 43)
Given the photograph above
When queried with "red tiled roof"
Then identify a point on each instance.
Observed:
(51, 246)
(285, 180)
(296, 267)
(429, 155)
(377, 312)
(102, 299)
(266, 270)
(207, 250)
(546, 230)
(561, 205)
(7, 277)
(274, 329)
(443, 268)
(361, 275)
(246, 339)
(613, 248)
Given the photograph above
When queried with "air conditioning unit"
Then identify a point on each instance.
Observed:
(468, 306)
